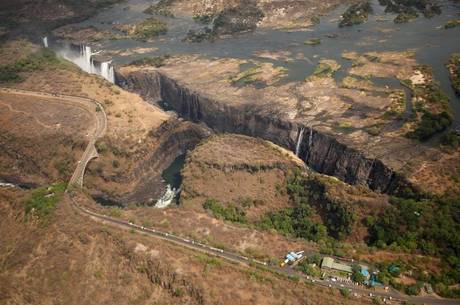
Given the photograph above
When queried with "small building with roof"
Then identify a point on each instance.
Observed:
(329, 263)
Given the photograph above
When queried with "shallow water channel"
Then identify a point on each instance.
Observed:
(432, 44)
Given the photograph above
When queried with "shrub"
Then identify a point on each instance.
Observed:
(150, 28)
(157, 61)
(43, 201)
(430, 125)
(231, 212)
(37, 61)
(160, 8)
(356, 14)
(451, 138)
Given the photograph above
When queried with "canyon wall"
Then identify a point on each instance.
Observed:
(320, 151)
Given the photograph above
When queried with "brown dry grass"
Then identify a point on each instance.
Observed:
(40, 139)
(76, 260)
(238, 169)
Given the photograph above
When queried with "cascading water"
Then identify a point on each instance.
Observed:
(167, 198)
(107, 71)
(299, 141)
(85, 60)
(45, 42)
(310, 138)
(87, 57)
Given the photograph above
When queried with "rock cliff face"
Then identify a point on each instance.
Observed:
(320, 151)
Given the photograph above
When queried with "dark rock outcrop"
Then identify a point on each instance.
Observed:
(321, 151)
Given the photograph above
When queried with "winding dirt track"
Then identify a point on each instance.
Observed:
(96, 110)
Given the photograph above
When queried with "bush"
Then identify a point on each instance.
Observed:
(157, 61)
(452, 139)
(430, 226)
(37, 61)
(430, 125)
(231, 212)
(356, 14)
(150, 28)
(43, 201)
(160, 8)
(356, 274)
(345, 292)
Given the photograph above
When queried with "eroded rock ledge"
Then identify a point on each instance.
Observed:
(319, 150)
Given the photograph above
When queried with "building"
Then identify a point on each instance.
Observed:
(329, 264)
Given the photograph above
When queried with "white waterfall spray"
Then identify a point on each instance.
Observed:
(85, 60)
(167, 198)
(299, 141)
(107, 71)
(45, 41)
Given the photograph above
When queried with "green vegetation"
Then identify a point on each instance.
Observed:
(432, 104)
(406, 16)
(356, 14)
(237, 19)
(294, 221)
(407, 9)
(36, 61)
(454, 71)
(324, 69)
(247, 76)
(305, 194)
(157, 61)
(356, 274)
(43, 201)
(430, 226)
(451, 138)
(452, 24)
(429, 125)
(310, 266)
(203, 19)
(160, 8)
(345, 292)
(200, 35)
(150, 28)
(231, 212)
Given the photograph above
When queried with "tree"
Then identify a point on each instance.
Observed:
(356, 274)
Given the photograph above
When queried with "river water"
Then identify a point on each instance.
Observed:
(432, 44)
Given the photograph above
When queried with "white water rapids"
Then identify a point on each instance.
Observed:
(167, 198)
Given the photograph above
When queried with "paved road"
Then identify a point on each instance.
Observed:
(90, 153)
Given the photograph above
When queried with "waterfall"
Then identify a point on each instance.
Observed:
(85, 60)
(107, 71)
(299, 141)
(310, 138)
(45, 41)
(167, 198)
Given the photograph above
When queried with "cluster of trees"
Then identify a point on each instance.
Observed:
(308, 198)
(230, 212)
(430, 226)
(407, 9)
(430, 125)
(294, 221)
(303, 190)
(356, 14)
(33, 62)
(451, 138)
(149, 28)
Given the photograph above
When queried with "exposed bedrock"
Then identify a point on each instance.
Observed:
(173, 138)
(320, 151)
